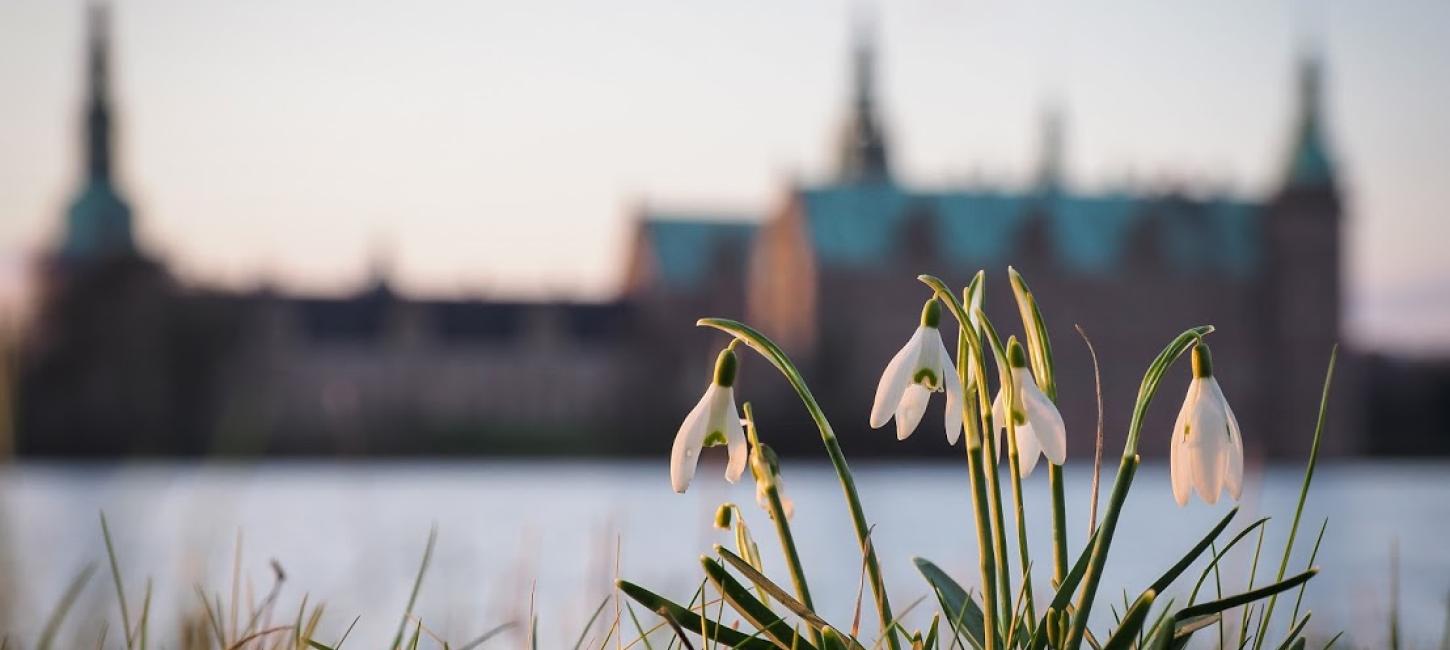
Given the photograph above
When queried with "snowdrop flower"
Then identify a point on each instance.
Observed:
(921, 368)
(714, 421)
(766, 467)
(1207, 451)
(1039, 425)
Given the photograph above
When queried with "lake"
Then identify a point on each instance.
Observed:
(352, 535)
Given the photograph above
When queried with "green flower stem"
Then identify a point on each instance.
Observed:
(782, 525)
(777, 357)
(1004, 373)
(1124, 479)
(976, 415)
(972, 349)
(1040, 348)
(984, 524)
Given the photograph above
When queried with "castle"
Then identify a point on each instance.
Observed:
(124, 359)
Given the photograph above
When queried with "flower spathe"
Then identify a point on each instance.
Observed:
(920, 368)
(1207, 451)
(1038, 423)
(713, 421)
(766, 467)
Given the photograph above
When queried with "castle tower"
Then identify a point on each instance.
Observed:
(1303, 224)
(863, 155)
(98, 225)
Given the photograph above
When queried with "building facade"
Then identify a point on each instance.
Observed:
(122, 358)
(832, 268)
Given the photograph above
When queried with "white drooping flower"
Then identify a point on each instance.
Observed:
(1207, 451)
(921, 368)
(714, 421)
(1039, 426)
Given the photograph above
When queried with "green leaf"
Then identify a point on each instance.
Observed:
(1246, 597)
(690, 620)
(1063, 597)
(1177, 569)
(744, 602)
(1133, 619)
(775, 591)
(964, 614)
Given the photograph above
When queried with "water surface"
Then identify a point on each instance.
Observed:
(352, 536)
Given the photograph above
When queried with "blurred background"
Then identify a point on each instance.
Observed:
(254, 254)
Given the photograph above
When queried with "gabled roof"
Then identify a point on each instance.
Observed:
(684, 248)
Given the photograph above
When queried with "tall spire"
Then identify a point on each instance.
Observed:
(99, 222)
(863, 150)
(1051, 166)
(98, 87)
(1309, 164)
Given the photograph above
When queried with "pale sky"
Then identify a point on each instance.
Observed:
(497, 147)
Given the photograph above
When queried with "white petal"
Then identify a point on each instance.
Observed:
(1028, 448)
(686, 451)
(1234, 479)
(1207, 442)
(909, 412)
(1042, 414)
(954, 398)
(1180, 473)
(1180, 470)
(895, 380)
(729, 423)
(999, 423)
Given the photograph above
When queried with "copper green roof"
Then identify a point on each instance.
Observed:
(862, 224)
(684, 247)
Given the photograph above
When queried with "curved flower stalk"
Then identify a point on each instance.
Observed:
(1127, 467)
(777, 357)
(920, 368)
(1207, 450)
(1039, 427)
(714, 421)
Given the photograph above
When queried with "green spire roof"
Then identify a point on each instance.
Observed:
(1309, 161)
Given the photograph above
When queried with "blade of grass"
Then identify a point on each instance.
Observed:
(580, 643)
(1303, 493)
(1098, 446)
(1294, 632)
(1313, 555)
(116, 577)
(417, 584)
(643, 635)
(67, 599)
(495, 631)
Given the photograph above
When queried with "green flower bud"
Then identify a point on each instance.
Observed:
(931, 313)
(1016, 355)
(725, 367)
(723, 515)
(1202, 361)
